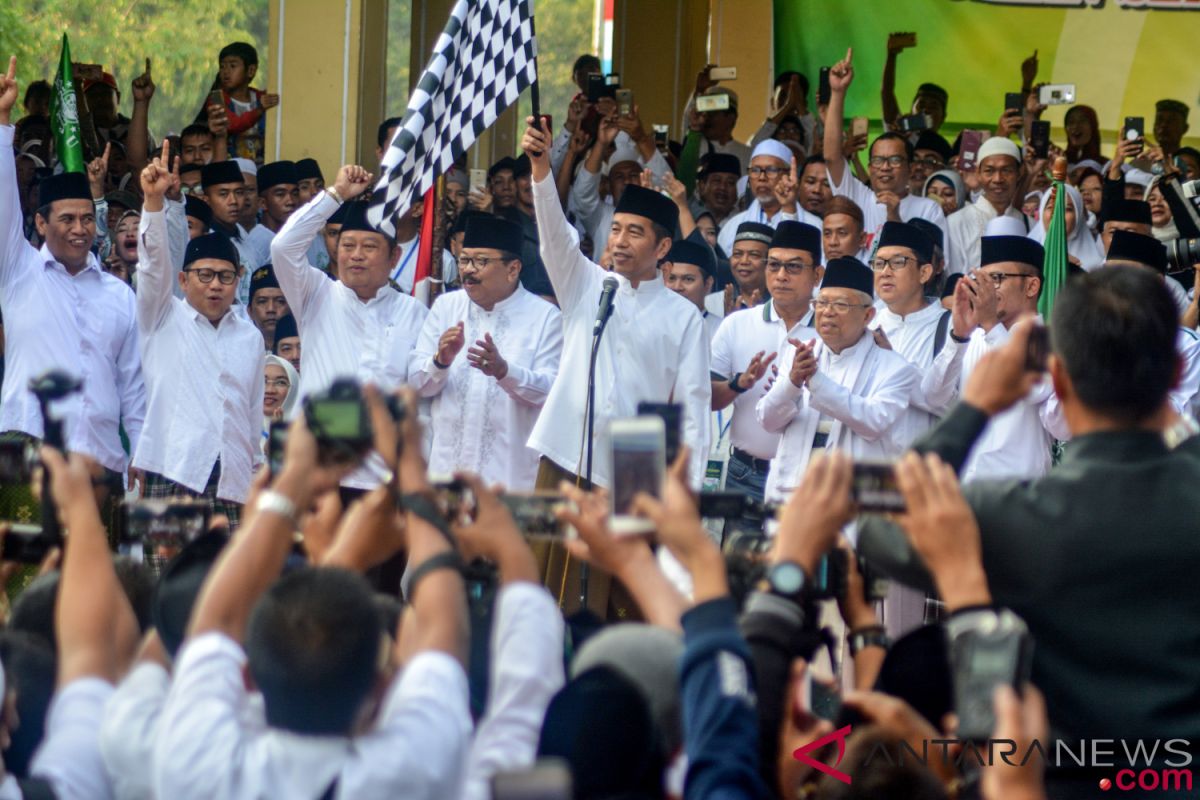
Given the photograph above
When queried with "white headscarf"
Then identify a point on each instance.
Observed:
(293, 392)
(1081, 242)
(1165, 233)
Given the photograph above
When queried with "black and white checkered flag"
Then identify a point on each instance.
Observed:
(481, 63)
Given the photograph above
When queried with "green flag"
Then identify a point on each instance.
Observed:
(1054, 268)
(64, 118)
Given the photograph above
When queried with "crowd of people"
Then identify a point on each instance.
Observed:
(833, 319)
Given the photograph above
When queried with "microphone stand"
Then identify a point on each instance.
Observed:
(590, 406)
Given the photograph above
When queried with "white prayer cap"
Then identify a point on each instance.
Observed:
(999, 146)
(773, 147)
(1138, 176)
(247, 166)
(1004, 226)
(623, 154)
(1091, 163)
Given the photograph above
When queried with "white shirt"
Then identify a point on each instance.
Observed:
(875, 212)
(967, 226)
(526, 671)
(204, 382)
(595, 214)
(1016, 442)
(130, 729)
(728, 233)
(742, 335)
(84, 324)
(259, 240)
(481, 424)
(863, 391)
(653, 349)
(913, 338)
(253, 256)
(416, 748)
(69, 756)
(406, 267)
(1187, 342)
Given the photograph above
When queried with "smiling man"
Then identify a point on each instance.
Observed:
(202, 363)
(488, 356)
(772, 183)
(689, 272)
(1000, 172)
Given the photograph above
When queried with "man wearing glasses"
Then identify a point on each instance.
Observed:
(843, 392)
(888, 197)
(1006, 286)
(488, 356)
(203, 365)
(1000, 174)
(776, 188)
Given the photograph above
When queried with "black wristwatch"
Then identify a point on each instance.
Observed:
(787, 579)
(960, 341)
(873, 636)
(733, 384)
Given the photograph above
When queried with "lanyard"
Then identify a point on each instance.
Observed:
(407, 257)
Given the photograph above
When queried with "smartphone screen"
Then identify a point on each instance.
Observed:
(595, 87)
(874, 488)
(823, 91)
(638, 465)
(276, 442)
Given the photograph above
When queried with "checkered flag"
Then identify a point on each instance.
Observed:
(481, 63)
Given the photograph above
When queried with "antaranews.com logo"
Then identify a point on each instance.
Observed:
(1142, 765)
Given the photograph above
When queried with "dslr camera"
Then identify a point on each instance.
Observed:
(339, 421)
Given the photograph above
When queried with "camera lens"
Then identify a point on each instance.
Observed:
(1182, 254)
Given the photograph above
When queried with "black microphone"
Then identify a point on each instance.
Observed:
(606, 305)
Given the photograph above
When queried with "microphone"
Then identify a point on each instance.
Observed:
(606, 305)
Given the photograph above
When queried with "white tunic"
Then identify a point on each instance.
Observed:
(875, 213)
(742, 335)
(1016, 442)
(481, 424)
(862, 391)
(204, 382)
(654, 349)
(1187, 342)
(967, 226)
(913, 337)
(343, 336)
(84, 324)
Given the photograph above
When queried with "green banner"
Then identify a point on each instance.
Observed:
(1122, 55)
(1054, 266)
(64, 118)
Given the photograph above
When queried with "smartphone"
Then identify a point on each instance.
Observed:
(548, 779)
(536, 514)
(661, 136)
(216, 98)
(722, 73)
(874, 489)
(625, 102)
(858, 126)
(915, 122)
(478, 180)
(712, 102)
(25, 544)
(822, 695)
(1014, 101)
(968, 150)
(1038, 349)
(1135, 128)
(823, 91)
(639, 463)
(1039, 138)
(595, 87)
(612, 79)
(276, 444)
(672, 417)
(829, 578)
(17, 460)
(1056, 94)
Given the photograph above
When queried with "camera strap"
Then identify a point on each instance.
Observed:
(424, 508)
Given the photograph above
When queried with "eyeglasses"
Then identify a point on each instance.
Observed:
(791, 267)
(226, 276)
(989, 171)
(773, 172)
(891, 161)
(998, 277)
(481, 262)
(895, 263)
(928, 161)
(278, 383)
(840, 306)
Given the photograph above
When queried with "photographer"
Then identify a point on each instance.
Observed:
(203, 364)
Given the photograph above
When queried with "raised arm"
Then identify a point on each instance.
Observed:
(155, 262)
(840, 77)
(137, 143)
(12, 230)
(887, 89)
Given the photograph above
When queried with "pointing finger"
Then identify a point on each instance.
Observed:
(12, 68)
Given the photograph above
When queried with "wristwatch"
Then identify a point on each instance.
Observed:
(733, 384)
(332, 192)
(787, 579)
(873, 636)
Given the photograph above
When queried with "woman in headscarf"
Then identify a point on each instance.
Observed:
(1083, 248)
(1160, 213)
(279, 394)
(946, 187)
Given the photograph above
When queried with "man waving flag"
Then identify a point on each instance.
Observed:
(484, 59)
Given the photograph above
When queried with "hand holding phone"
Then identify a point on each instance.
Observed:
(638, 465)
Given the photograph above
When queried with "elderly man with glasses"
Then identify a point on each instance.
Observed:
(841, 391)
(203, 364)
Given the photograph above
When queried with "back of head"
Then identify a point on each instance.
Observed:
(312, 645)
(33, 611)
(1114, 330)
(882, 770)
(138, 582)
(29, 670)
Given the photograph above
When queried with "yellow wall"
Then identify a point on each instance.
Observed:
(741, 37)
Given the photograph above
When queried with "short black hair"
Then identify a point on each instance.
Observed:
(813, 159)
(30, 666)
(382, 136)
(312, 645)
(508, 255)
(660, 232)
(585, 60)
(1114, 329)
(33, 610)
(243, 50)
(888, 136)
(38, 90)
(197, 129)
(782, 79)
